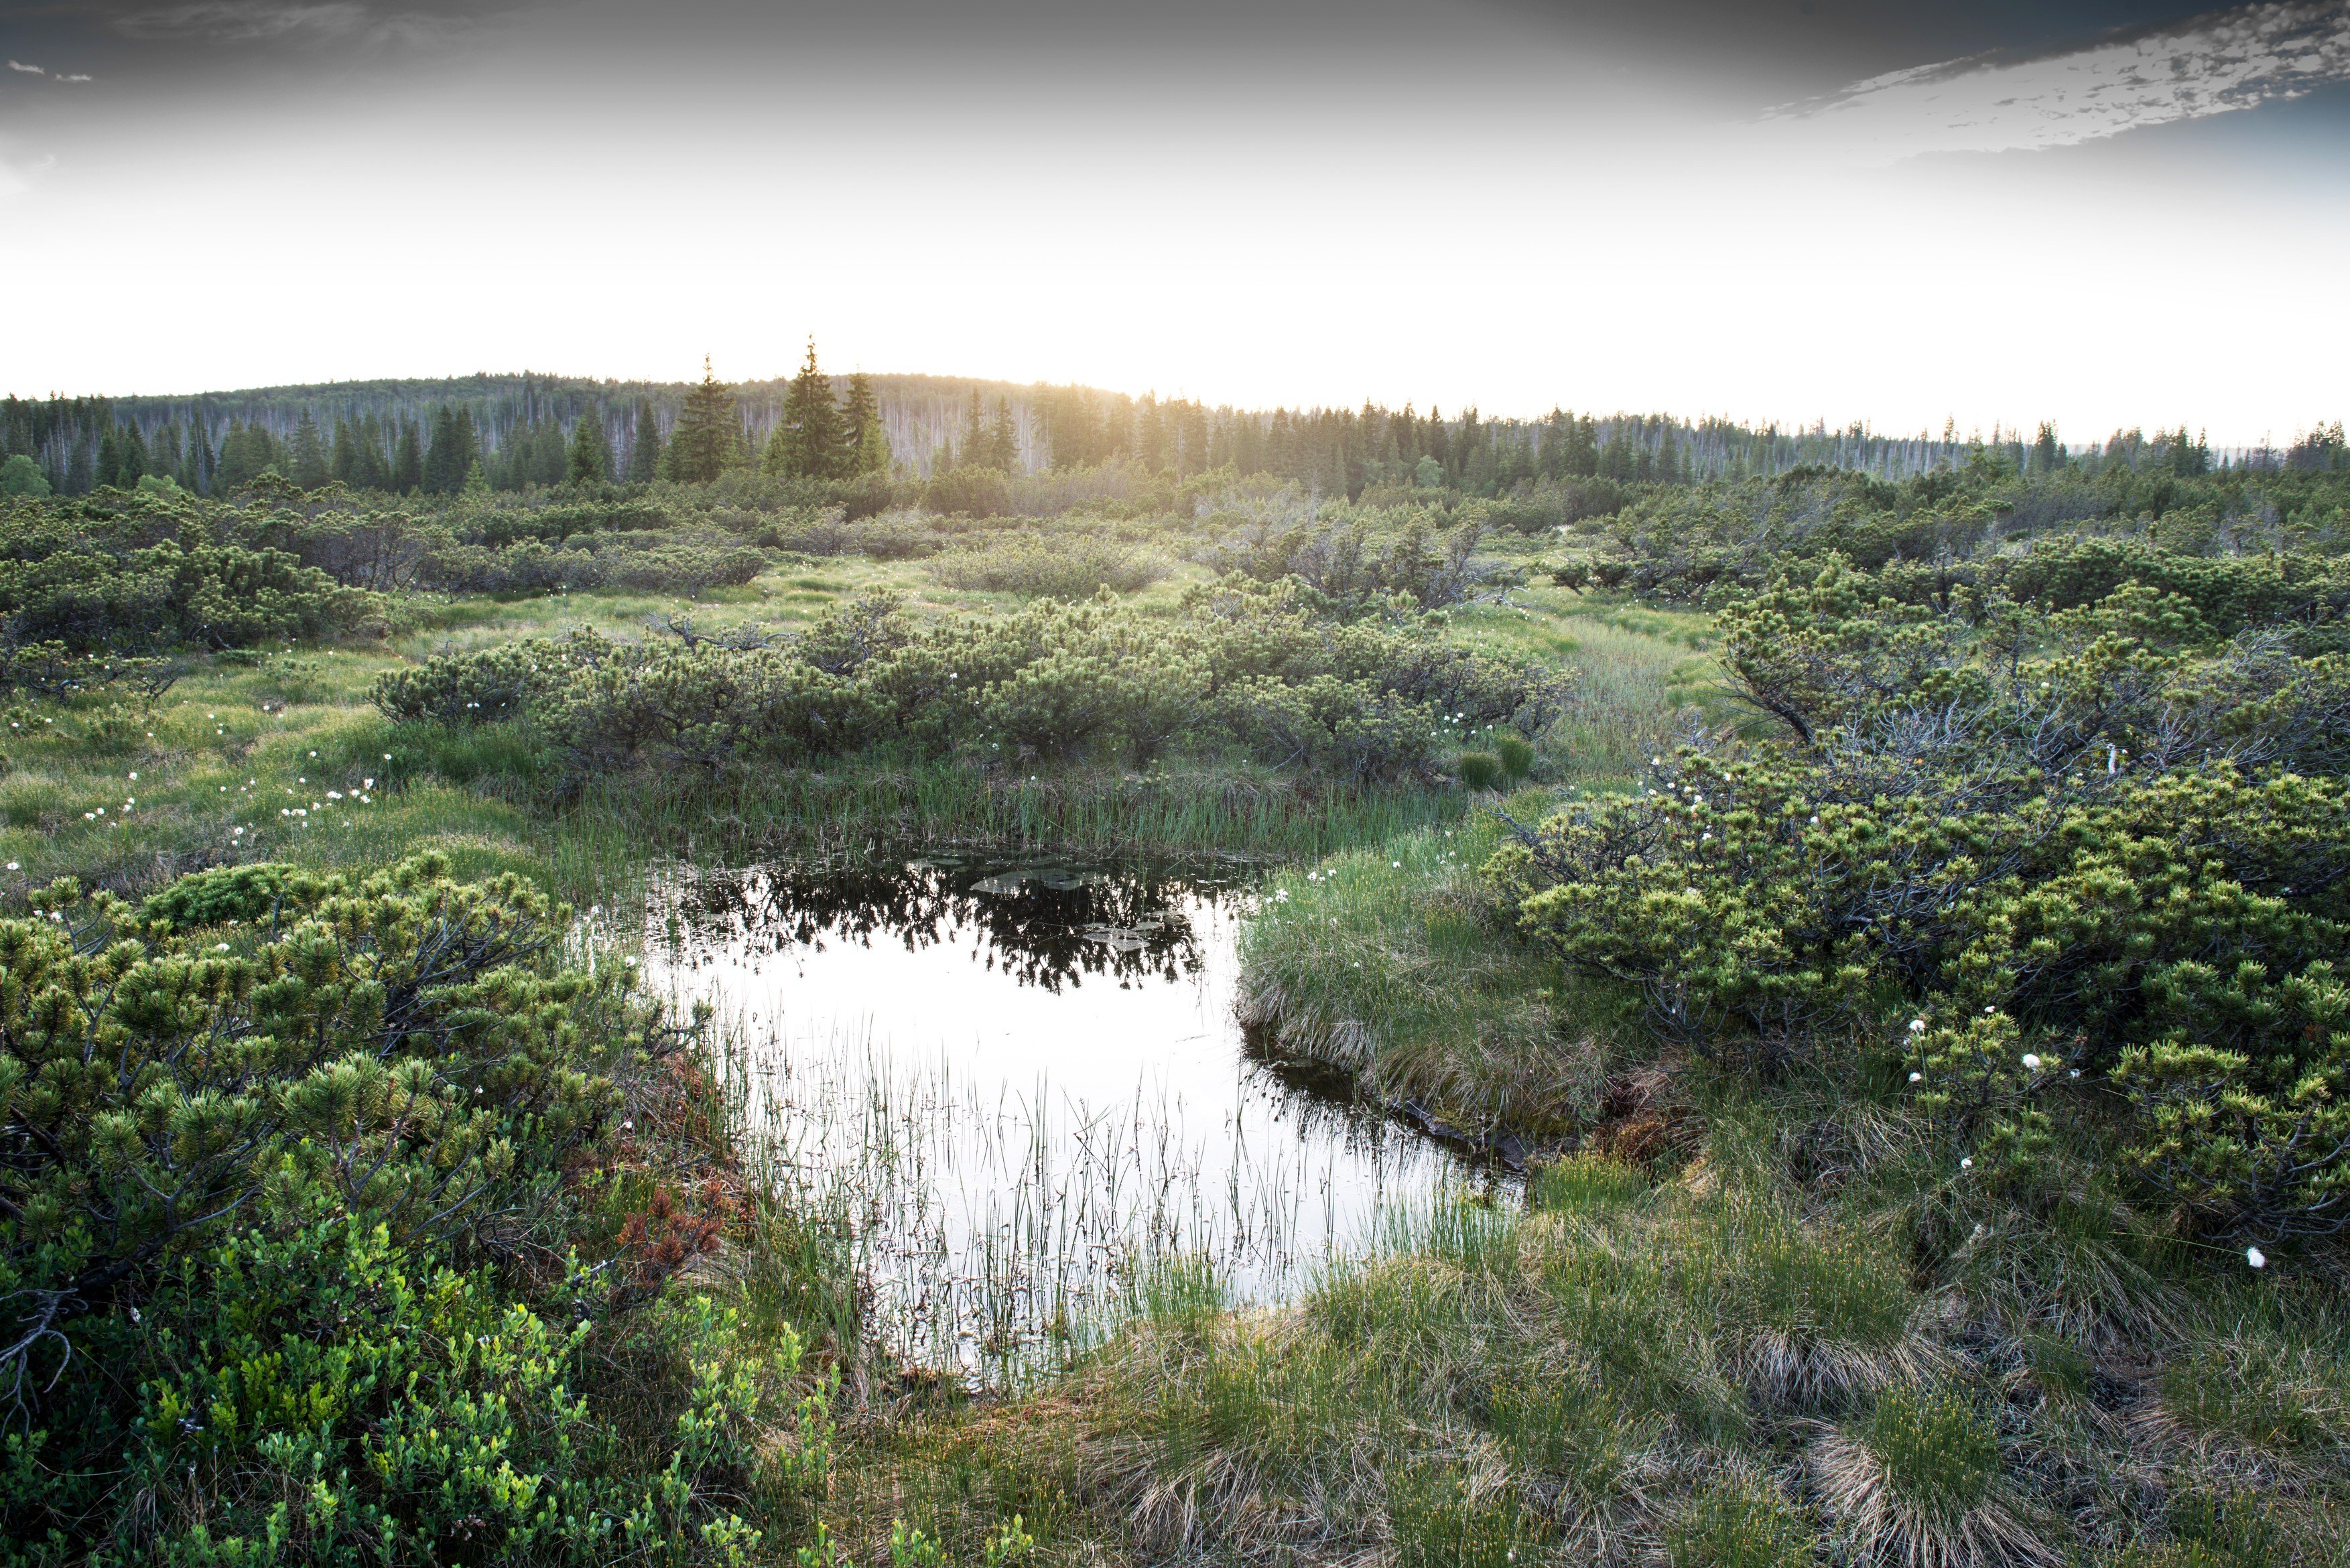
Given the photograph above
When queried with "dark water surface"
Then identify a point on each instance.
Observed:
(1026, 1087)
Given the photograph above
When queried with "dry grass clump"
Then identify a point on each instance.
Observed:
(1563, 1383)
(1920, 1481)
(2258, 1405)
(1739, 1521)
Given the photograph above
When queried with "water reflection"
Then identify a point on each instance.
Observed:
(1044, 925)
(1024, 1087)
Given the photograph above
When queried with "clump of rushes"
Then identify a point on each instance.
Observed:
(1739, 1525)
(1516, 755)
(1479, 770)
(1392, 966)
(1442, 1520)
(1918, 1481)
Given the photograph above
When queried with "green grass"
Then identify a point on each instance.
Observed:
(1716, 1350)
(1395, 965)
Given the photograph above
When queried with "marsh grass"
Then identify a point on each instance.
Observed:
(1920, 1481)
(872, 807)
(1394, 967)
(995, 1238)
(1567, 1364)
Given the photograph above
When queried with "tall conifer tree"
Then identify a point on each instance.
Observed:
(811, 441)
(863, 439)
(591, 451)
(709, 431)
(1004, 440)
(645, 445)
(973, 452)
(408, 463)
(309, 458)
(345, 464)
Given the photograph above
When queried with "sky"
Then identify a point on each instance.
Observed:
(2103, 213)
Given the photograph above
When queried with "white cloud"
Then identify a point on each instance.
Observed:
(246, 21)
(2221, 61)
(30, 70)
(77, 76)
(275, 21)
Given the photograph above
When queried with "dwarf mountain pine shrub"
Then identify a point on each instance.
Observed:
(2013, 855)
(1258, 670)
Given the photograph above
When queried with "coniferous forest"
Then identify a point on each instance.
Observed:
(1851, 928)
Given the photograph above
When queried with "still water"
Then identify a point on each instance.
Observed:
(1023, 1090)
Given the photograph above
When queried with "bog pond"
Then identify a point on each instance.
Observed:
(1023, 1091)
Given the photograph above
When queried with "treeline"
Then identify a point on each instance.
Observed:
(74, 447)
(526, 431)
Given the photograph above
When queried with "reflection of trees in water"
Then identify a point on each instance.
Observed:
(1040, 924)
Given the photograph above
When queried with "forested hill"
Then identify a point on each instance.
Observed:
(520, 428)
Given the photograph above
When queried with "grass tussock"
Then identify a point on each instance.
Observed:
(1700, 1369)
(1393, 965)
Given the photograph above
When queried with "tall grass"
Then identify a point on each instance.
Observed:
(1394, 966)
(873, 807)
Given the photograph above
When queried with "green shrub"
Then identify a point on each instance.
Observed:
(2005, 858)
(1057, 566)
(1257, 671)
(294, 1160)
(166, 595)
(975, 492)
(1480, 770)
(1516, 756)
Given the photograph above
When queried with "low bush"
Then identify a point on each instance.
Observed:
(1061, 566)
(291, 1168)
(153, 598)
(1256, 670)
(2016, 846)
(687, 563)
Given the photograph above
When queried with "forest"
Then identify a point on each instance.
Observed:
(527, 432)
(1860, 921)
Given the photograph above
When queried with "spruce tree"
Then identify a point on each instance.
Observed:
(196, 466)
(163, 450)
(407, 465)
(709, 431)
(550, 454)
(309, 455)
(238, 460)
(591, 451)
(1003, 441)
(375, 473)
(344, 466)
(2046, 455)
(865, 441)
(810, 443)
(645, 444)
(973, 452)
(439, 477)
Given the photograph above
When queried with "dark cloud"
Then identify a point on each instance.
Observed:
(2215, 63)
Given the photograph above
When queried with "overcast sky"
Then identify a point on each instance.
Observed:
(2103, 213)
